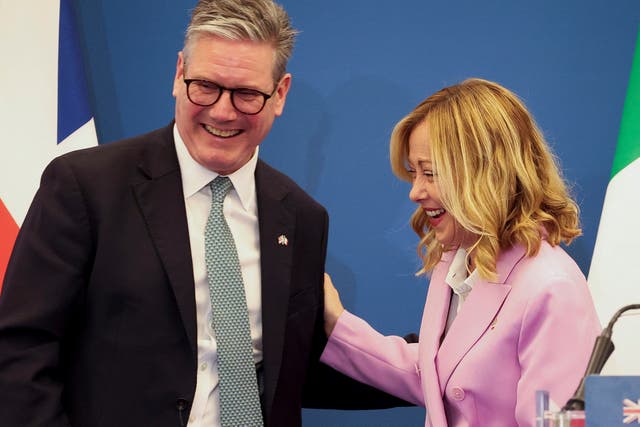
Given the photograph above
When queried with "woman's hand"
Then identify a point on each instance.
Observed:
(332, 306)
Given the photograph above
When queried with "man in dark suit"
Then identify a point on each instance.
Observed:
(105, 316)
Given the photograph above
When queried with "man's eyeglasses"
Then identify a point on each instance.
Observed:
(247, 101)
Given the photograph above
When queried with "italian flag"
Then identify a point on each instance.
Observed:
(44, 108)
(613, 278)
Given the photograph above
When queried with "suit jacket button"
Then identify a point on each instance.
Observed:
(457, 393)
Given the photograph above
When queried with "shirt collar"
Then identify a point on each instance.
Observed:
(458, 278)
(195, 176)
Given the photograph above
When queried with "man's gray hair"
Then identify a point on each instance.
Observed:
(255, 20)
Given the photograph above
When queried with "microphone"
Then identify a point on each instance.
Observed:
(602, 349)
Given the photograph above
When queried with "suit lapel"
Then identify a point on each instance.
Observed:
(276, 218)
(434, 320)
(480, 309)
(436, 310)
(160, 198)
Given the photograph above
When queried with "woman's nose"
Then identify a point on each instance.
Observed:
(417, 192)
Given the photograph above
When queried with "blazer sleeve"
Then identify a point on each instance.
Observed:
(559, 327)
(42, 289)
(326, 388)
(388, 363)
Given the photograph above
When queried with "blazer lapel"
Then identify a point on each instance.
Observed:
(277, 238)
(436, 310)
(434, 320)
(480, 309)
(160, 198)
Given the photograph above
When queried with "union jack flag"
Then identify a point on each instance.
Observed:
(631, 411)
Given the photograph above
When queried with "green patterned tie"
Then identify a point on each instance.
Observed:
(239, 398)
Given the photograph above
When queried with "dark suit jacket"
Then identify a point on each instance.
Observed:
(97, 315)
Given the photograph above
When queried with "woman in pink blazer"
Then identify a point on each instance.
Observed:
(508, 312)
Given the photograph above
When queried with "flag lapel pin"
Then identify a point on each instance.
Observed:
(493, 323)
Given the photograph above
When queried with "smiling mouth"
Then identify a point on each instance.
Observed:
(434, 213)
(221, 133)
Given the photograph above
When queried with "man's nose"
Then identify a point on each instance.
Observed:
(223, 109)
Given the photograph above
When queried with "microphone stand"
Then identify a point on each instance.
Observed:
(602, 349)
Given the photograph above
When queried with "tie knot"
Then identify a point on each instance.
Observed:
(220, 187)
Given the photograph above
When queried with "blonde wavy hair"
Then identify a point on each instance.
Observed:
(497, 176)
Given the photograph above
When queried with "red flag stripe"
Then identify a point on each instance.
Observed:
(8, 233)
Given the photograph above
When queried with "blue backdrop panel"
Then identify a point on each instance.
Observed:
(358, 67)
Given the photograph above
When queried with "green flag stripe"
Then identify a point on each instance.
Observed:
(629, 140)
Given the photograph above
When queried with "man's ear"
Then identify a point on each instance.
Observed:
(178, 81)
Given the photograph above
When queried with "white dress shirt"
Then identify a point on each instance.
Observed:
(461, 283)
(241, 212)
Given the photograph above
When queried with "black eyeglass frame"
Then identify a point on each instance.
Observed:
(231, 91)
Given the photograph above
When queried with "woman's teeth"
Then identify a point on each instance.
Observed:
(434, 213)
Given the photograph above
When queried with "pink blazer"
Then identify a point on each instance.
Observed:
(532, 329)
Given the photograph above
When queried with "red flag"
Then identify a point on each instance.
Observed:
(8, 231)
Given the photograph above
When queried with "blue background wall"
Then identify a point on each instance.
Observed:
(358, 67)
